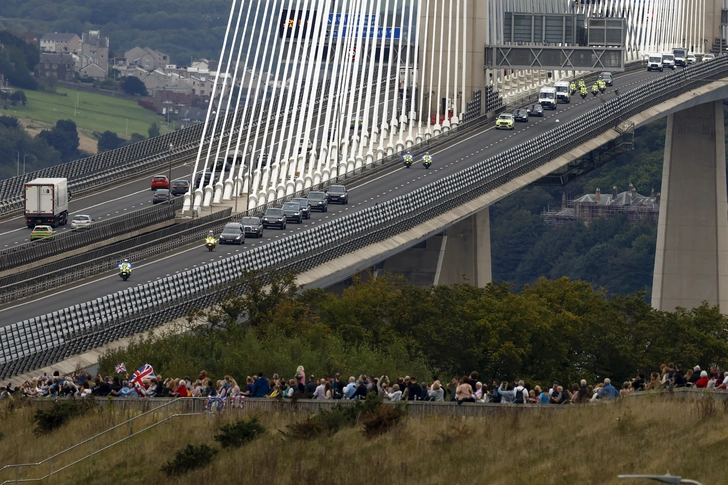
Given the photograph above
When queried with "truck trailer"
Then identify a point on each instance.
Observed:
(46, 202)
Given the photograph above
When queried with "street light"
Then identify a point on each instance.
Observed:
(171, 146)
(662, 478)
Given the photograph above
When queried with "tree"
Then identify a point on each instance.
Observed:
(64, 138)
(51, 82)
(110, 141)
(134, 86)
(153, 130)
(19, 98)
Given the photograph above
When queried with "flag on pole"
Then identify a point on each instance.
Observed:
(121, 368)
(144, 372)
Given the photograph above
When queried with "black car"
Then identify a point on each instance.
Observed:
(274, 218)
(204, 177)
(180, 187)
(318, 201)
(293, 213)
(252, 226)
(535, 110)
(337, 193)
(233, 233)
(305, 208)
(520, 115)
(606, 77)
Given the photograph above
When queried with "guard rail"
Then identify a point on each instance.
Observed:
(48, 338)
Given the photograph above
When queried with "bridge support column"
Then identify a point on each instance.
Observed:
(465, 252)
(691, 261)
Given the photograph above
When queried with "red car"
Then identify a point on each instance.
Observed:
(160, 182)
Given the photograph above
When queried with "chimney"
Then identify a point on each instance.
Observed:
(598, 195)
(614, 192)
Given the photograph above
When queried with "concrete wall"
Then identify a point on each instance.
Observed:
(691, 261)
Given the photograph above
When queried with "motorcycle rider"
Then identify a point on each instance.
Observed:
(125, 266)
(582, 84)
(572, 87)
(602, 85)
(210, 238)
(595, 89)
(427, 159)
(408, 159)
(583, 91)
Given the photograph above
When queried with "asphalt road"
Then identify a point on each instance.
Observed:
(445, 162)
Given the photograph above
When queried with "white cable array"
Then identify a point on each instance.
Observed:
(342, 83)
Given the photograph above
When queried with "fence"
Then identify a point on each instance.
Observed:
(98, 231)
(45, 339)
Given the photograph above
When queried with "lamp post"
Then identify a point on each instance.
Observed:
(171, 147)
(17, 167)
(662, 478)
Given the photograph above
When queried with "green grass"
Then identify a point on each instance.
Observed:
(96, 113)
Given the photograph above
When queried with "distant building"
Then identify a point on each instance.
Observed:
(588, 207)
(96, 48)
(62, 65)
(145, 58)
(171, 103)
(28, 36)
(58, 43)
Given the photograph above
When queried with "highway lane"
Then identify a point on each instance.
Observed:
(447, 161)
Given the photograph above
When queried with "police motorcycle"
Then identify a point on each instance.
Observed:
(210, 241)
(572, 88)
(602, 86)
(427, 160)
(408, 160)
(595, 90)
(125, 269)
(583, 92)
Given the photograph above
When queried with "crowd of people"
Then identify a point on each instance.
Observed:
(468, 388)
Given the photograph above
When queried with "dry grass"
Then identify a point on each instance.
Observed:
(582, 445)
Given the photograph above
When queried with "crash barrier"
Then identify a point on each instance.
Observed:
(100, 260)
(79, 238)
(139, 158)
(42, 340)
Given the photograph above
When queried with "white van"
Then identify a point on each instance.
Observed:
(563, 94)
(654, 62)
(668, 60)
(547, 98)
(681, 55)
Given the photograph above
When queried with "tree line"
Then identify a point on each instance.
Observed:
(552, 330)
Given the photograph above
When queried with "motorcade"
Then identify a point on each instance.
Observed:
(654, 62)
(318, 201)
(161, 195)
(668, 60)
(42, 232)
(521, 115)
(252, 226)
(274, 218)
(563, 91)
(160, 182)
(180, 187)
(680, 54)
(427, 160)
(408, 159)
(46, 202)
(292, 211)
(305, 208)
(606, 77)
(232, 233)
(80, 221)
(338, 194)
(690, 59)
(505, 121)
(547, 98)
(535, 110)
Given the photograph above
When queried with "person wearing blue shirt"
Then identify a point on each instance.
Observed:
(261, 386)
(350, 388)
(608, 392)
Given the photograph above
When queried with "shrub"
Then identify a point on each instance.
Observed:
(382, 419)
(189, 458)
(325, 423)
(239, 433)
(60, 413)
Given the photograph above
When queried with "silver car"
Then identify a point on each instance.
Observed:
(80, 221)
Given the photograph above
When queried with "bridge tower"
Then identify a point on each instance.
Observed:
(691, 261)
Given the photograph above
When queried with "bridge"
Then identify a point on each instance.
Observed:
(416, 84)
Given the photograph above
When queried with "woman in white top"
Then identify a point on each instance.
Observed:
(396, 394)
(437, 393)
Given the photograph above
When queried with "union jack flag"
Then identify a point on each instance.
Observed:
(121, 368)
(144, 372)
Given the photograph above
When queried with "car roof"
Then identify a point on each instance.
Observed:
(78, 216)
(506, 115)
(160, 176)
(42, 226)
(291, 203)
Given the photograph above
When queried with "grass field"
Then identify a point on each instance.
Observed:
(576, 445)
(95, 112)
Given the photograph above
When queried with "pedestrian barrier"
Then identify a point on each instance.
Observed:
(45, 339)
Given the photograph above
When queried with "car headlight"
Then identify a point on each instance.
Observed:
(296, 213)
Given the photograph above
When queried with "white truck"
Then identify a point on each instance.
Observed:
(668, 60)
(46, 202)
(547, 98)
(563, 93)
(681, 56)
(654, 62)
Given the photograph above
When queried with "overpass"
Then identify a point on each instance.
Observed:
(387, 213)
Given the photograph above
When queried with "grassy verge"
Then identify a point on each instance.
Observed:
(95, 112)
(584, 445)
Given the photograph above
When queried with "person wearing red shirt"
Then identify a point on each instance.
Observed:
(702, 383)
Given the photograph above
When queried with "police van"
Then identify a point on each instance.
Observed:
(563, 94)
(547, 98)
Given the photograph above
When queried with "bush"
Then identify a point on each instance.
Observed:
(60, 413)
(189, 458)
(241, 432)
(383, 419)
(325, 423)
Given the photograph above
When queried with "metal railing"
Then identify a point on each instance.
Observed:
(49, 466)
(45, 339)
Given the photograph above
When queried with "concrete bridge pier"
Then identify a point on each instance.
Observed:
(465, 252)
(691, 261)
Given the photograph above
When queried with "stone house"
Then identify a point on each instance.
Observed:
(61, 64)
(58, 43)
(96, 47)
(146, 58)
